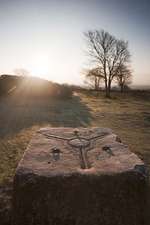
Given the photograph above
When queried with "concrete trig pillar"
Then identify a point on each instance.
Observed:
(79, 177)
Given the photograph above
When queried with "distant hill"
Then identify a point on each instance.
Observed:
(140, 87)
(32, 87)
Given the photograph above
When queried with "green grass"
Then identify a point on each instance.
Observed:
(128, 115)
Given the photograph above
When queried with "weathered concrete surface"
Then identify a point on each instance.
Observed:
(5, 204)
(79, 177)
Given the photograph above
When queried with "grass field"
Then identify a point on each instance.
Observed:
(127, 114)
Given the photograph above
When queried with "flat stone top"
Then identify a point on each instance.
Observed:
(66, 151)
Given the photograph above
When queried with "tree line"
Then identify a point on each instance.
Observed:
(110, 58)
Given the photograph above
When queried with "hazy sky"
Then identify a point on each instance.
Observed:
(46, 36)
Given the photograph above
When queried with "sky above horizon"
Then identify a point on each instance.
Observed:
(46, 37)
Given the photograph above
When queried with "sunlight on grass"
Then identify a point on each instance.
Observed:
(20, 118)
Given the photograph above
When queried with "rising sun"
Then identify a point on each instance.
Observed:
(39, 65)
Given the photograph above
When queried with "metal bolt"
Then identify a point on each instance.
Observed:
(56, 153)
(108, 150)
(76, 131)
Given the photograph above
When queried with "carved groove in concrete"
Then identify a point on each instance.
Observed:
(82, 144)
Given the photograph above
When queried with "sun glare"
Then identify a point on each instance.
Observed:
(45, 66)
(39, 65)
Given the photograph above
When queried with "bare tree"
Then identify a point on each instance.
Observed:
(95, 77)
(21, 72)
(108, 53)
(123, 77)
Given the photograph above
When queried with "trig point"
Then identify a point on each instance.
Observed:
(82, 176)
